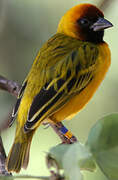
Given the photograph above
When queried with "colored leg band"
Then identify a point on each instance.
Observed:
(66, 132)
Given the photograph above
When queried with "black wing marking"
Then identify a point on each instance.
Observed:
(30, 124)
(43, 102)
(40, 99)
(46, 95)
(47, 101)
(15, 110)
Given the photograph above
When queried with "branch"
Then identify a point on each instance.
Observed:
(11, 86)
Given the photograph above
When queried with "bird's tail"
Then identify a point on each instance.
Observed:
(18, 156)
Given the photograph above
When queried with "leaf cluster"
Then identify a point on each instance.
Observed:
(100, 149)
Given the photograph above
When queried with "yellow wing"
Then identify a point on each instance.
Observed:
(68, 77)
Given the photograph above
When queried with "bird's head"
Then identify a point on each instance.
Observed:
(84, 22)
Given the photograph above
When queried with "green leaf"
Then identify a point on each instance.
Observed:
(103, 144)
(72, 158)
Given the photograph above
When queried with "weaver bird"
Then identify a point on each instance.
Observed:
(64, 76)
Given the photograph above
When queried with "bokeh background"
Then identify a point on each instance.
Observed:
(24, 27)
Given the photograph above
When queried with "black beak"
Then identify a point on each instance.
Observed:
(101, 24)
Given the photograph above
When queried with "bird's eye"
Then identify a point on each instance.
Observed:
(83, 21)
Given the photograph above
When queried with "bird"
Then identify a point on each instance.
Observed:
(64, 76)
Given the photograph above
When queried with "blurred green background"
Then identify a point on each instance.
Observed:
(24, 27)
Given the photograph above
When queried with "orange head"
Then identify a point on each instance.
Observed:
(84, 22)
